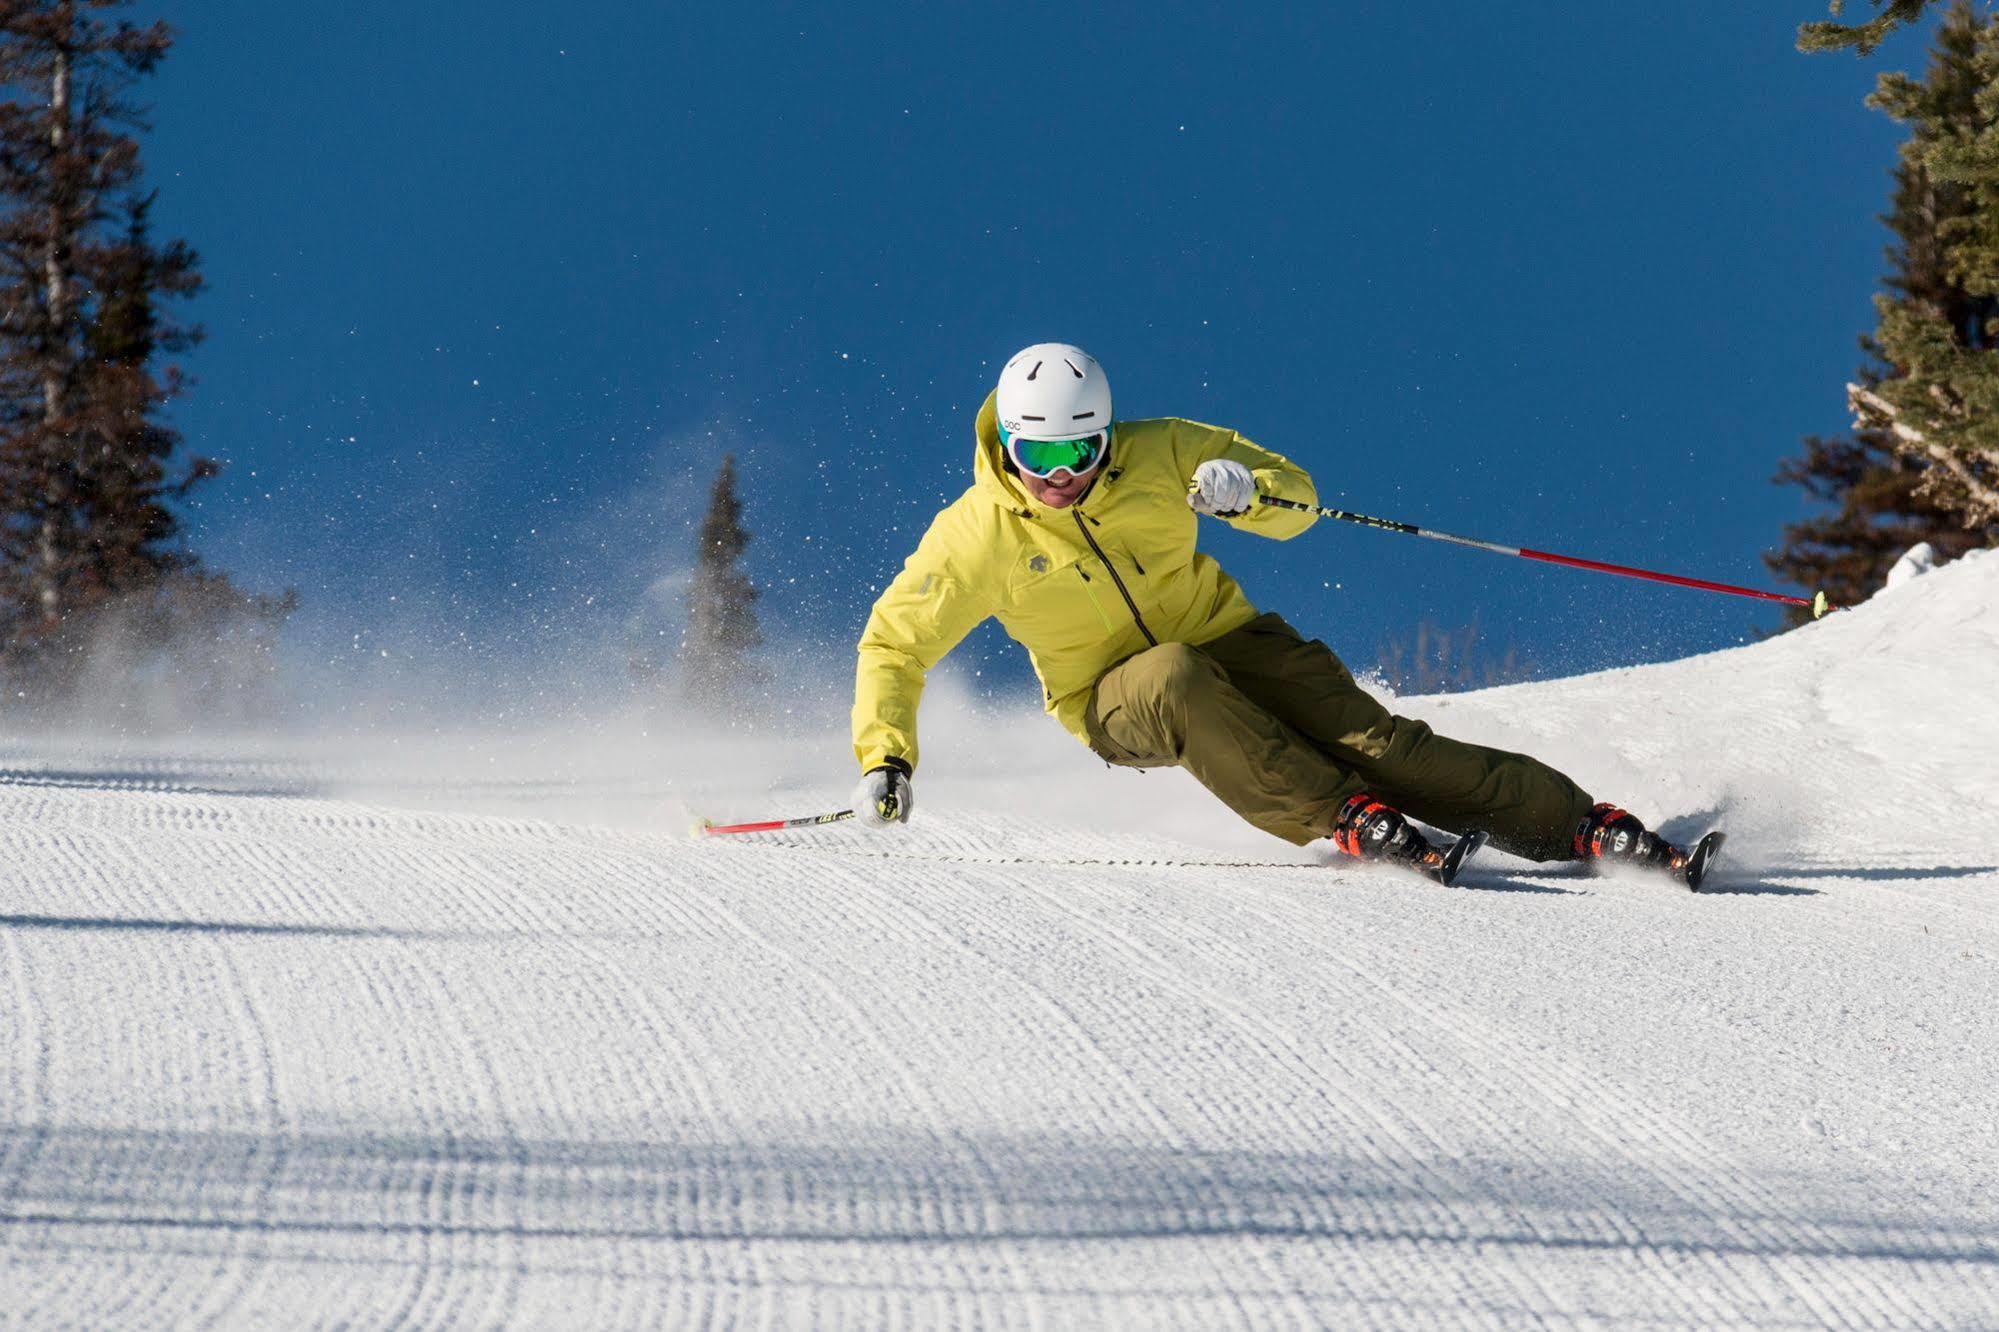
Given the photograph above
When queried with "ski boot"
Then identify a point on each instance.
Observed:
(1369, 829)
(1609, 836)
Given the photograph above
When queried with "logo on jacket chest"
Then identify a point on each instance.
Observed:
(1038, 563)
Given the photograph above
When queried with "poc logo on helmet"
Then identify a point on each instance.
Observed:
(1053, 390)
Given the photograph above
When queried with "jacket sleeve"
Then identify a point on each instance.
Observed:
(1276, 475)
(924, 613)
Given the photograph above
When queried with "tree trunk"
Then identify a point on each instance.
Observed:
(57, 295)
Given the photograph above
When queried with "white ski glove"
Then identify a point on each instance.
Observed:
(1222, 487)
(884, 797)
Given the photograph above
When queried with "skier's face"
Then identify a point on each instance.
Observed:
(1058, 491)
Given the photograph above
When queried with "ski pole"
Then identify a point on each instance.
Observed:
(1817, 603)
(707, 829)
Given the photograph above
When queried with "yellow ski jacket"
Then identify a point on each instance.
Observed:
(1080, 588)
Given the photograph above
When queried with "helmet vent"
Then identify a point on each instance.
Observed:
(1082, 416)
(1035, 371)
(1072, 368)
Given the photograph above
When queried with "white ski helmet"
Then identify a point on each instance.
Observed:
(1053, 391)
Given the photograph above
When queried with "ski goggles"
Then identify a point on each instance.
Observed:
(1043, 458)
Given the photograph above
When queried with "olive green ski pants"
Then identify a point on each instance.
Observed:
(1276, 727)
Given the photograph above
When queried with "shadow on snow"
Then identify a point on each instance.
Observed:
(890, 1186)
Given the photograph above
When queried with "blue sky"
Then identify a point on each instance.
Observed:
(493, 286)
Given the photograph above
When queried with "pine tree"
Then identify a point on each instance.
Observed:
(90, 547)
(1923, 461)
(721, 603)
(1881, 512)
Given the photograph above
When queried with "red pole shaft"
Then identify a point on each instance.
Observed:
(1600, 567)
(774, 825)
(717, 829)
(1818, 605)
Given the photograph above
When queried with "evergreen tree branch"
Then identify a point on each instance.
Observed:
(1861, 38)
(1980, 495)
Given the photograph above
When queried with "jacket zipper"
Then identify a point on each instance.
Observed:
(1134, 559)
(1123, 591)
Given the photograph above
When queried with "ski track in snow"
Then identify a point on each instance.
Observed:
(285, 1043)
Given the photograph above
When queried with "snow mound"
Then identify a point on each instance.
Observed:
(1809, 745)
(470, 1032)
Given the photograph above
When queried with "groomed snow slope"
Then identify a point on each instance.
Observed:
(297, 1038)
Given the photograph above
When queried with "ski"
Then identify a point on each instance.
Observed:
(1701, 859)
(1447, 864)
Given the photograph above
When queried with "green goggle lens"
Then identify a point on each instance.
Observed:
(1045, 457)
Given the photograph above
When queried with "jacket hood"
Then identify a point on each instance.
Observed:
(990, 478)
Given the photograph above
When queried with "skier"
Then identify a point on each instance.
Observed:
(1078, 533)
